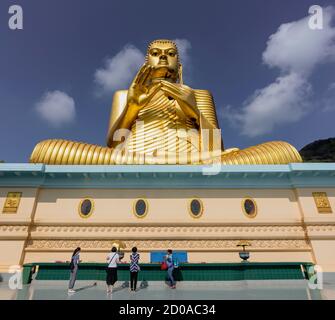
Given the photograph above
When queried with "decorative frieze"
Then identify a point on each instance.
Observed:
(324, 232)
(13, 231)
(321, 228)
(177, 232)
(147, 245)
(13, 228)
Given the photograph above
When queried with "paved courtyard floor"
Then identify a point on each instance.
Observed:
(156, 290)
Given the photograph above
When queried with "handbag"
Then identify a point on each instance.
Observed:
(164, 266)
(71, 265)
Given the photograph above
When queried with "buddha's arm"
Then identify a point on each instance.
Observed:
(137, 96)
(185, 97)
(198, 105)
(206, 106)
(124, 121)
(122, 117)
(208, 121)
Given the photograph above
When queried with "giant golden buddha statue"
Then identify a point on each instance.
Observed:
(159, 120)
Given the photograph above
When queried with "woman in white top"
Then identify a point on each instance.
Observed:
(112, 260)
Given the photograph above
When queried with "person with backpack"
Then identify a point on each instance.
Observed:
(170, 267)
(74, 269)
(134, 268)
(112, 259)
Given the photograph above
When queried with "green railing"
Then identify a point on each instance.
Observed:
(185, 272)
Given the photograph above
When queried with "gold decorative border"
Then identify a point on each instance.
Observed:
(146, 208)
(149, 245)
(169, 228)
(251, 216)
(91, 211)
(190, 210)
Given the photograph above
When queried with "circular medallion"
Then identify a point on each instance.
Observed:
(195, 208)
(249, 207)
(140, 208)
(86, 207)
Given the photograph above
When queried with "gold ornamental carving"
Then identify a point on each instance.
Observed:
(322, 202)
(12, 202)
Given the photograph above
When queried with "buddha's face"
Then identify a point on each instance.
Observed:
(164, 58)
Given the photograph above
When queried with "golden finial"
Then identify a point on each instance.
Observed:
(118, 244)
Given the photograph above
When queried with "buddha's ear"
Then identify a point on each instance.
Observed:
(180, 74)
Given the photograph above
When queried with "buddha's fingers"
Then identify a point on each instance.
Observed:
(153, 91)
(177, 92)
(140, 73)
(177, 88)
(145, 76)
(173, 93)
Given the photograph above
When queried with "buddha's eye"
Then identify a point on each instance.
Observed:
(172, 54)
(154, 53)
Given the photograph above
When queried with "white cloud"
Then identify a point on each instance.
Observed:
(296, 47)
(56, 107)
(281, 102)
(183, 49)
(296, 50)
(119, 70)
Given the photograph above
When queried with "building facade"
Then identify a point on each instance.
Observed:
(284, 212)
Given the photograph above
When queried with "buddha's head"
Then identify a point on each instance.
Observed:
(163, 56)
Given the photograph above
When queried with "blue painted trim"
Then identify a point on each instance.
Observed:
(295, 175)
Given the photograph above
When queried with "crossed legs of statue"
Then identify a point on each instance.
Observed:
(77, 153)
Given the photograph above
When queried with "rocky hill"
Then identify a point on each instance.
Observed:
(319, 151)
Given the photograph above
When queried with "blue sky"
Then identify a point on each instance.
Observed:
(278, 88)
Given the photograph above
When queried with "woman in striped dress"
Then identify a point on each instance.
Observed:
(134, 268)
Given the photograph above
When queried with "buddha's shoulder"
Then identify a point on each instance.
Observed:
(120, 93)
(119, 100)
(198, 92)
(202, 92)
(202, 95)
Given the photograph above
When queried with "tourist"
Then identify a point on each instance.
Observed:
(74, 269)
(170, 268)
(134, 268)
(113, 260)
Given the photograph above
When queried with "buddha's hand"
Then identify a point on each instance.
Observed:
(184, 95)
(140, 93)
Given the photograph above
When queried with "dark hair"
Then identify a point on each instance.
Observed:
(169, 251)
(114, 249)
(75, 251)
(134, 249)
